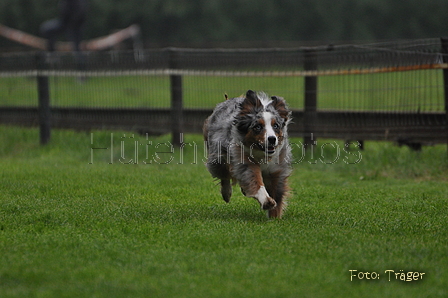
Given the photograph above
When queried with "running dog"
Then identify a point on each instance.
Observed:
(247, 142)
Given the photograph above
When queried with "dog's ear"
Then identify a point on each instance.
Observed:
(251, 99)
(279, 104)
(248, 108)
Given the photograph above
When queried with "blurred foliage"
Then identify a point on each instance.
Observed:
(168, 22)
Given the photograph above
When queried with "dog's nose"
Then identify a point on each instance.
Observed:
(272, 140)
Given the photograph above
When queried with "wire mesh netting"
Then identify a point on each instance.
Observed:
(388, 77)
(396, 78)
(125, 80)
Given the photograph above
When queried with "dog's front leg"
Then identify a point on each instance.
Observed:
(251, 182)
(276, 185)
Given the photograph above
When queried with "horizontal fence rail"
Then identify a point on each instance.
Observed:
(393, 91)
(426, 128)
(219, 73)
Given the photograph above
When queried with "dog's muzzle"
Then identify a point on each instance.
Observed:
(269, 146)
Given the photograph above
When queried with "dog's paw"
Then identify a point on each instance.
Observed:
(243, 192)
(226, 190)
(276, 212)
(269, 204)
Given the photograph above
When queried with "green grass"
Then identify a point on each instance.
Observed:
(158, 228)
(401, 91)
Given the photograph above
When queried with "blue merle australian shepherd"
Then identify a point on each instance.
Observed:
(247, 142)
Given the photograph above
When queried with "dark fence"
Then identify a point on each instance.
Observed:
(392, 91)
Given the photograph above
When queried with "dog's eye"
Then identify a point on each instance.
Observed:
(275, 126)
(258, 127)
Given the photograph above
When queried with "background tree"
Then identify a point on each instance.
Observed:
(268, 22)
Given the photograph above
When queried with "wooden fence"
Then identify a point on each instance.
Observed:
(407, 126)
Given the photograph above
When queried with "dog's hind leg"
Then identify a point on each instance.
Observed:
(221, 172)
(226, 189)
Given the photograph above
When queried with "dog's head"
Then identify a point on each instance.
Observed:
(262, 122)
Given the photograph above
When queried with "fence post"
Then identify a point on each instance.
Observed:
(310, 105)
(444, 41)
(176, 100)
(43, 90)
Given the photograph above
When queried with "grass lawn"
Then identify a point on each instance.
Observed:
(77, 222)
